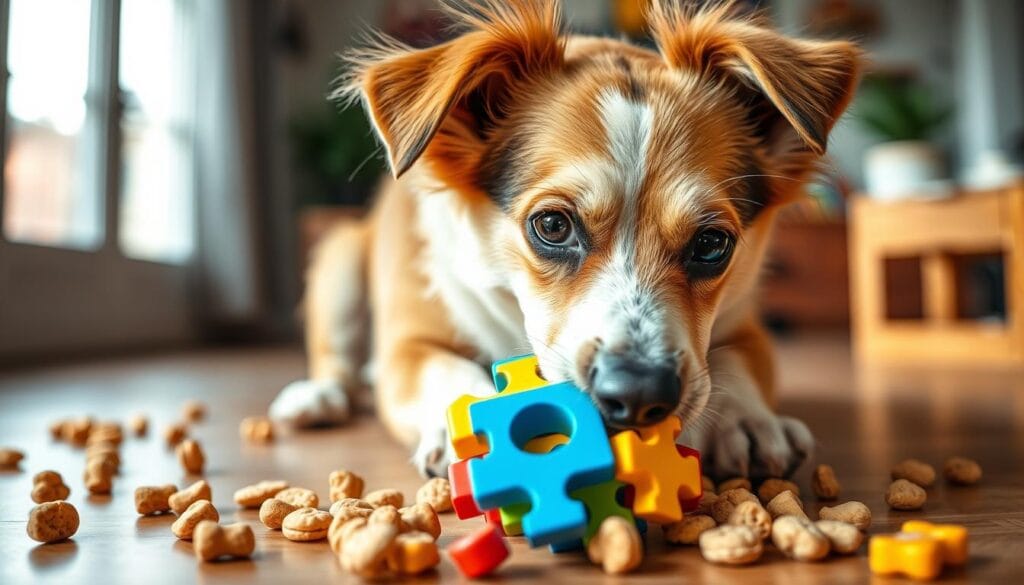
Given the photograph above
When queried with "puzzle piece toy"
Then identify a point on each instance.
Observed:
(511, 375)
(462, 491)
(691, 504)
(516, 374)
(545, 443)
(914, 554)
(479, 553)
(952, 539)
(509, 422)
(600, 500)
(648, 460)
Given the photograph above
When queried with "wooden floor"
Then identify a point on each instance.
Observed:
(865, 419)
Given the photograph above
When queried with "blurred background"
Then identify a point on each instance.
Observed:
(168, 163)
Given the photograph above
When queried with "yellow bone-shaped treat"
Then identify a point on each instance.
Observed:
(916, 555)
(952, 539)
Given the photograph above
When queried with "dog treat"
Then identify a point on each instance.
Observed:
(76, 430)
(110, 461)
(181, 500)
(139, 425)
(345, 484)
(727, 501)
(253, 496)
(52, 522)
(961, 471)
(824, 483)
(731, 545)
(151, 500)
(386, 515)
(734, 483)
(422, 518)
(306, 525)
(99, 477)
(688, 530)
(57, 429)
(786, 504)
(915, 471)
(385, 497)
(299, 497)
(753, 515)
(190, 454)
(109, 452)
(341, 527)
(362, 508)
(707, 484)
(905, 495)
(193, 411)
(256, 429)
(184, 527)
(773, 487)
(273, 512)
(9, 458)
(707, 502)
(616, 546)
(413, 553)
(437, 492)
(211, 541)
(364, 550)
(174, 434)
(843, 538)
(105, 432)
(48, 486)
(799, 539)
(854, 513)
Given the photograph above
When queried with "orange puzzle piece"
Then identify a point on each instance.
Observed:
(510, 376)
(661, 477)
(914, 554)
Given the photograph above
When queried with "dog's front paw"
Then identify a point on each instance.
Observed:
(307, 403)
(433, 453)
(757, 444)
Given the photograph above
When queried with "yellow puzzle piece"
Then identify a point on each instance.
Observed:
(659, 474)
(914, 554)
(512, 375)
(952, 539)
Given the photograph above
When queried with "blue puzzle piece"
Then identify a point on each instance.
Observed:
(509, 422)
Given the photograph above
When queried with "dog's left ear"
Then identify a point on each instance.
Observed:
(442, 101)
(808, 83)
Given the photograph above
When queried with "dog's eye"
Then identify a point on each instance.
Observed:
(710, 251)
(554, 228)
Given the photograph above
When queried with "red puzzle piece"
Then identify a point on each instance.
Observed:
(479, 553)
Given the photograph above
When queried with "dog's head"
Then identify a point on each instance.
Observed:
(626, 192)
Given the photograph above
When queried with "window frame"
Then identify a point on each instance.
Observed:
(102, 132)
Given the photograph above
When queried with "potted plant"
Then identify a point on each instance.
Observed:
(905, 115)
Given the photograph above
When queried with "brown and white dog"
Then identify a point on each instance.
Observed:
(599, 204)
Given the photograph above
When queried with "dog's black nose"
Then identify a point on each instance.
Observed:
(631, 393)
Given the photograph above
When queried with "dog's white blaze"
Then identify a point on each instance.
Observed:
(618, 308)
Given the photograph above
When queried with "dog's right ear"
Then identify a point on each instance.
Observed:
(410, 94)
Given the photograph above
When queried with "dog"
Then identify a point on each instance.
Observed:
(602, 205)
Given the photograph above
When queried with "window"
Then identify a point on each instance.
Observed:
(156, 166)
(48, 195)
(63, 107)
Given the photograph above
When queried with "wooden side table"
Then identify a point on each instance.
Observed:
(936, 232)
